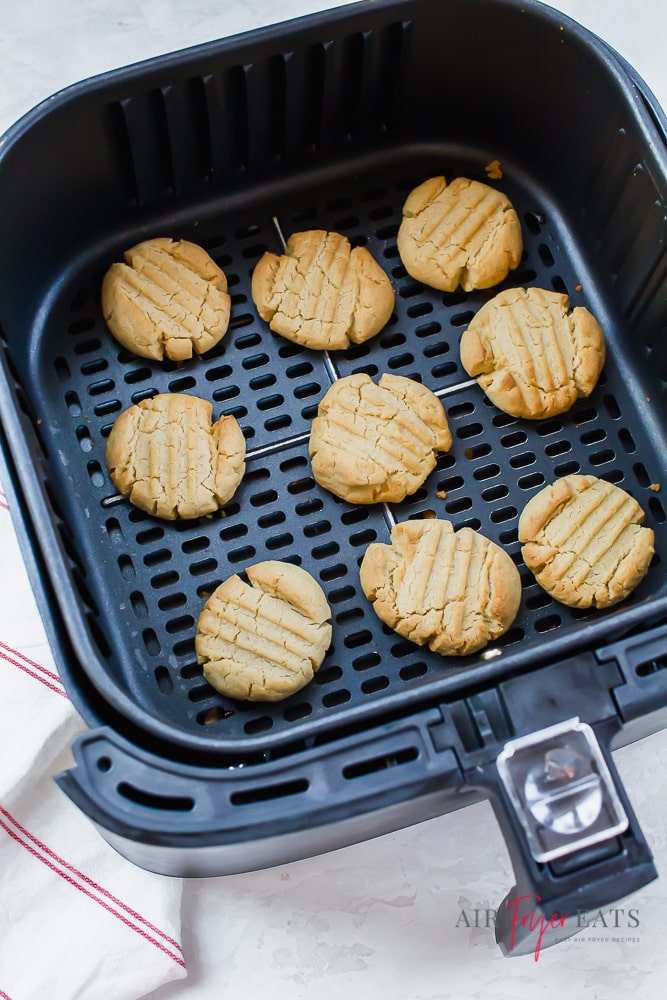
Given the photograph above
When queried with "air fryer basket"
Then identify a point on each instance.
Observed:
(328, 123)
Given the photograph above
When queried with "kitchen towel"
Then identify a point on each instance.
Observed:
(77, 921)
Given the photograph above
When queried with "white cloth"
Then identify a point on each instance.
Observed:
(77, 921)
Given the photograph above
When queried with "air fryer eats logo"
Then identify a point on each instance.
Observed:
(608, 922)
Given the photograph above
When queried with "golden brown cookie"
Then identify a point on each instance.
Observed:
(530, 354)
(454, 591)
(463, 233)
(265, 641)
(164, 455)
(584, 541)
(168, 298)
(377, 443)
(321, 293)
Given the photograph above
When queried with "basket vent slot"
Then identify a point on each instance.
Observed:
(314, 96)
(236, 87)
(212, 715)
(268, 792)
(165, 803)
(363, 767)
(278, 130)
(147, 153)
(650, 667)
(164, 681)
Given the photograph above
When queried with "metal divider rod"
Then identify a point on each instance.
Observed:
(333, 373)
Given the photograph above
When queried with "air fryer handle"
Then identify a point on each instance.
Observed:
(549, 901)
(350, 787)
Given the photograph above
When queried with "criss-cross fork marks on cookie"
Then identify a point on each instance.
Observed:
(264, 641)
(584, 540)
(454, 591)
(377, 443)
(531, 356)
(167, 457)
(169, 298)
(463, 233)
(321, 293)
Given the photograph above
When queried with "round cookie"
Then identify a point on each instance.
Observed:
(377, 443)
(321, 293)
(530, 354)
(454, 591)
(266, 640)
(584, 541)
(168, 299)
(167, 458)
(463, 233)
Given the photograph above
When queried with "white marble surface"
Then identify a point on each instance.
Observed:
(378, 919)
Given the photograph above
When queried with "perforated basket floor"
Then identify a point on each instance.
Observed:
(142, 582)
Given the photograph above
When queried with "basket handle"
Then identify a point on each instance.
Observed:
(181, 819)
(553, 893)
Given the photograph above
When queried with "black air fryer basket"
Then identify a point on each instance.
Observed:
(327, 122)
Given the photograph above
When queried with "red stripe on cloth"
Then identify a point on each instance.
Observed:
(88, 881)
(6, 506)
(4, 996)
(68, 878)
(38, 677)
(37, 666)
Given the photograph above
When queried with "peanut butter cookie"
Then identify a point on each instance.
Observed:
(321, 293)
(266, 640)
(377, 443)
(583, 539)
(530, 354)
(453, 591)
(463, 233)
(168, 298)
(167, 458)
